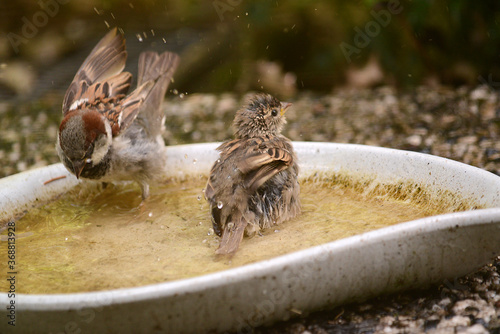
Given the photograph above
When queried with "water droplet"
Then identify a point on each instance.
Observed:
(139, 37)
(220, 204)
(210, 231)
(200, 223)
(175, 91)
(276, 231)
(162, 227)
(181, 95)
(194, 161)
(150, 214)
(199, 198)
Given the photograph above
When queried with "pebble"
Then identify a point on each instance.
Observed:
(414, 140)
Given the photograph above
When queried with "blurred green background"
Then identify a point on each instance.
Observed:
(280, 46)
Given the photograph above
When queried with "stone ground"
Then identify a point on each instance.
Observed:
(460, 124)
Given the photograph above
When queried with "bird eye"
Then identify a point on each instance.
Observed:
(274, 112)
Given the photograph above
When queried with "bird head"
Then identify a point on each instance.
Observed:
(262, 115)
(85, 138)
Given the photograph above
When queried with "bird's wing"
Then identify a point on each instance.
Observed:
(226, 149)
(263, 159)
(105, 63)
(155, 70)
(259, 159)
(132, 104)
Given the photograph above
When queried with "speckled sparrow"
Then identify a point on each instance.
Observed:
(106, 134)
(253, 184)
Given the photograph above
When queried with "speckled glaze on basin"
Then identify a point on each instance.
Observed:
(410, 254)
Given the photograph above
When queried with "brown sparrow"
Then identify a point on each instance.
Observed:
(106, 134)
(253, 184)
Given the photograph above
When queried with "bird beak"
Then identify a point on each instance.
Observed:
(284, 107)
(78, 167)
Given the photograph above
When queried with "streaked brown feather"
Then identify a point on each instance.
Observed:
(115, 87)
(258, 177)
(262, 152)
(227, 147)
(160, 70)
(119, 84)
(232, 236)
(107, 59)
(131, 105)
(209, 191)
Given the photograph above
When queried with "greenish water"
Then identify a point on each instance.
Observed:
(95, 239)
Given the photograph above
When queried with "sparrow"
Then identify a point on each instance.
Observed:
(106, 134)
(253, 185)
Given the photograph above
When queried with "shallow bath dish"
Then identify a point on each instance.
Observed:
(406, 255)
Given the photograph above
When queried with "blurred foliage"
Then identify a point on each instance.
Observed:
(454, 42)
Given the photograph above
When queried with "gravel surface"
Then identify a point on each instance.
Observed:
(461, 124)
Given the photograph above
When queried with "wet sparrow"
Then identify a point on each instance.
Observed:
(106, 134)
(253, 184)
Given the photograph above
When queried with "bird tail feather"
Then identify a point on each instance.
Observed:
(232, 236)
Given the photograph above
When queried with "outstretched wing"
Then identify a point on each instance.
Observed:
(155, 73)
(100, 75)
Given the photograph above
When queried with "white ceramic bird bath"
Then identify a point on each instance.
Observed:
(406, 255)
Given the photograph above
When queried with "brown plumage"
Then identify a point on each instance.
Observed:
(253, 184)
(106, 134)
